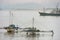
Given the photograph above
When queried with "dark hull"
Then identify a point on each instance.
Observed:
(48, 14)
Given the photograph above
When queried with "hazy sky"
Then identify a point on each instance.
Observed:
(27, 1)
(8, 4)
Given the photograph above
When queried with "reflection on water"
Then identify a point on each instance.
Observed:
(24, 36)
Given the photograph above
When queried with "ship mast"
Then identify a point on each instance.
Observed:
(10, 17)
(44, 10)
(57, 7)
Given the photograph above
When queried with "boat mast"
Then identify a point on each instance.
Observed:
(10, 18)
(33, 22)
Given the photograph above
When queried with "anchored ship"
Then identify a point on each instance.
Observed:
(55, 12)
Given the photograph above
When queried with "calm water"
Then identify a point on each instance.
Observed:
(24, 36)
(23, 18)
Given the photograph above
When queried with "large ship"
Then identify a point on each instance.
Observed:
(55, 12)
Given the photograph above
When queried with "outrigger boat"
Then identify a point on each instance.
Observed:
(31, 30)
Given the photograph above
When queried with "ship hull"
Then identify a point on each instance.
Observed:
(48, 14)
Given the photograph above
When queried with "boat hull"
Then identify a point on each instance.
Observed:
(48, 14)
(10, 30)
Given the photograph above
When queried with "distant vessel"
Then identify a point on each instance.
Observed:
(55, 12)
(49, 14)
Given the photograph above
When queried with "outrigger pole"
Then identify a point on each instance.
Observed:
(33, 22)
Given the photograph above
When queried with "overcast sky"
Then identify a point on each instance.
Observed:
(10, 4)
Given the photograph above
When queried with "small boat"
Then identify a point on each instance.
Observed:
(10, 28)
